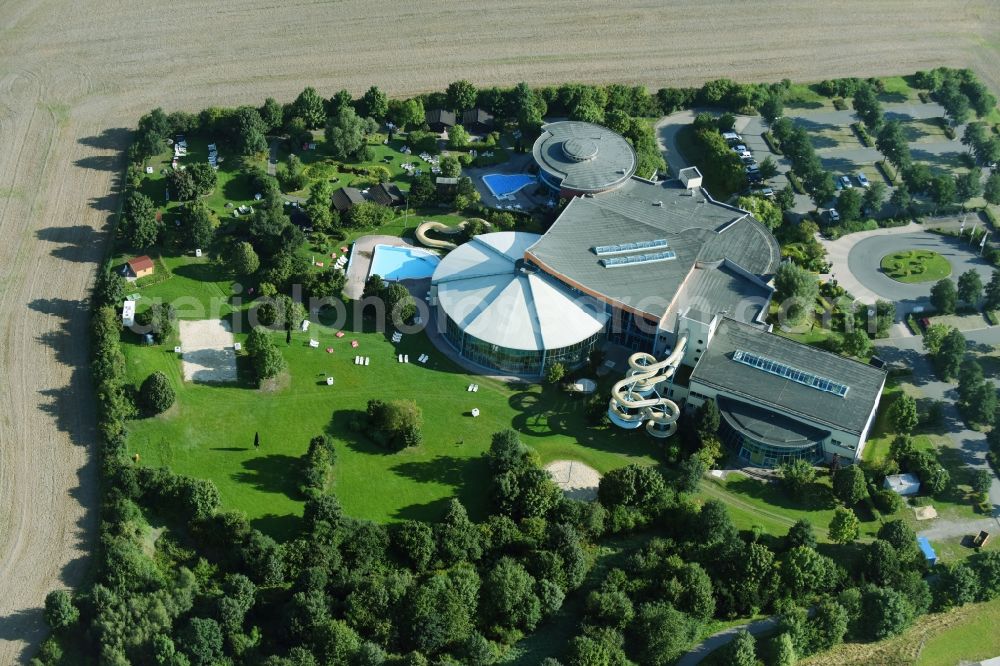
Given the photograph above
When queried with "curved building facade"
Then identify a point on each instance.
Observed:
(577, 158)
(502, 314)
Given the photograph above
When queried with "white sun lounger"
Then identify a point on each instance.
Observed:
(314, 343)
(329, 381)
(367, 359)
(399, 358)
(406, 358)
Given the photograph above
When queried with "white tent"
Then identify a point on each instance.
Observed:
(903, 484)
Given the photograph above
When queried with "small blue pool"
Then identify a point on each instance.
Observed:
(502, 184)
(402, 263)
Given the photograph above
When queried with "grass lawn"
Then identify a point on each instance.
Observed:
(915, 266)
(898, 89)
(804, 96)
(369, 482)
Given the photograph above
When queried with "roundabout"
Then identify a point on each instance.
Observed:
(947, 255)
(913, 266)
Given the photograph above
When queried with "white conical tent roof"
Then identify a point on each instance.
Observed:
(481, 286)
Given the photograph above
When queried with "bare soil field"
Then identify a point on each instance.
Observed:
(74, 74)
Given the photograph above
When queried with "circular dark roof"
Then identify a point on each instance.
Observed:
(580, 150)
(583, 157)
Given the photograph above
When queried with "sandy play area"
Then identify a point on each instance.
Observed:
(577, 481)
(207, 350)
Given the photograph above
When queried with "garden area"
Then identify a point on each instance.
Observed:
(915, 266)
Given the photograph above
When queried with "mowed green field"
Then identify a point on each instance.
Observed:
(209, 432)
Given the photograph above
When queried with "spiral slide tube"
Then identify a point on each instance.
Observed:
(636, 399)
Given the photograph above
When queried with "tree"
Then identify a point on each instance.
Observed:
(762, 209)
(272, 114)
(317, 206)
(798, 288)
(242, 259)
(949, 357)
(250, 130)
(900, 535)
(394, 424)
(943, 190)
(849, 485)
(805, 572)
(845, 526)
(867, 105)
(345, 134)
(408, 113)
(944, 296)
(156, 394)
(801, 535)
(772, 108)
(204, 177)
(160, 320)
(199, 227)
(309, 107)
(785, 198)
(967, 184)
(458, 138)
(450, 166)
(857, 343)
(201, 640)
(632, 485)
(598, 647)
(742, 651)
(958, 585)
(690, 472)
(874, 196)
(59, 610)
(900, 197)
(849, 205)
(970, 287)
(399, 304)
(368, 215)
(783, 651)
(881, 562)
(555, 372)
(180, 182)
(768, 168)
(993, 292)
(661, 633)
(151, 135)
(991, 191)
(509, 599)
(903, 414)
(891, 141)
(461, 95)
(885, 612)
(414, 542)
(265, 358)
(797, 476)
(141, 229)
(374, 103)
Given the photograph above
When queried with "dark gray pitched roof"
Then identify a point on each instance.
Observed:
(386, 194)
(477, 116)
(849, 413)
(440, 116)
(346, 197)
(583, 156)
(697, 229)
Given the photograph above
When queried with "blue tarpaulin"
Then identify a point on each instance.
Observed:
(927, 550)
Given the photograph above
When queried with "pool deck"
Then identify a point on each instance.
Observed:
(361, 260)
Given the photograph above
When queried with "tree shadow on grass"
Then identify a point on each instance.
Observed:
(428, 512)
(271, 473)
(201, 272)
(816, 497)
(281, 528)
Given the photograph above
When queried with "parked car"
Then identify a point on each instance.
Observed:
(837, 184)
(745, 153)
(863, 180)
(740, 148)
(846, 182)
(748, 160)
(833, 215)
(755, 177)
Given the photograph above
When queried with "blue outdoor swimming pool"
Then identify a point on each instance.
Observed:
(402, 263)
(502, 184)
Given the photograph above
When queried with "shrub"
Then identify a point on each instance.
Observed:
(156, 394)
(395, 424)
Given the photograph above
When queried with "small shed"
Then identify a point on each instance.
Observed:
(445, 184)
(128, 314)
(440, 120)
(928, 550)
(138, 267)
(902, 484)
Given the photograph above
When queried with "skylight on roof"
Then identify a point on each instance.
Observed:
(624, 248)
(634, 259)
(788, 372)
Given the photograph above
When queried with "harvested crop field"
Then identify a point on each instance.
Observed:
(74, 75)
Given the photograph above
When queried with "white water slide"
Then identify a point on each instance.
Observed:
(637, 399)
